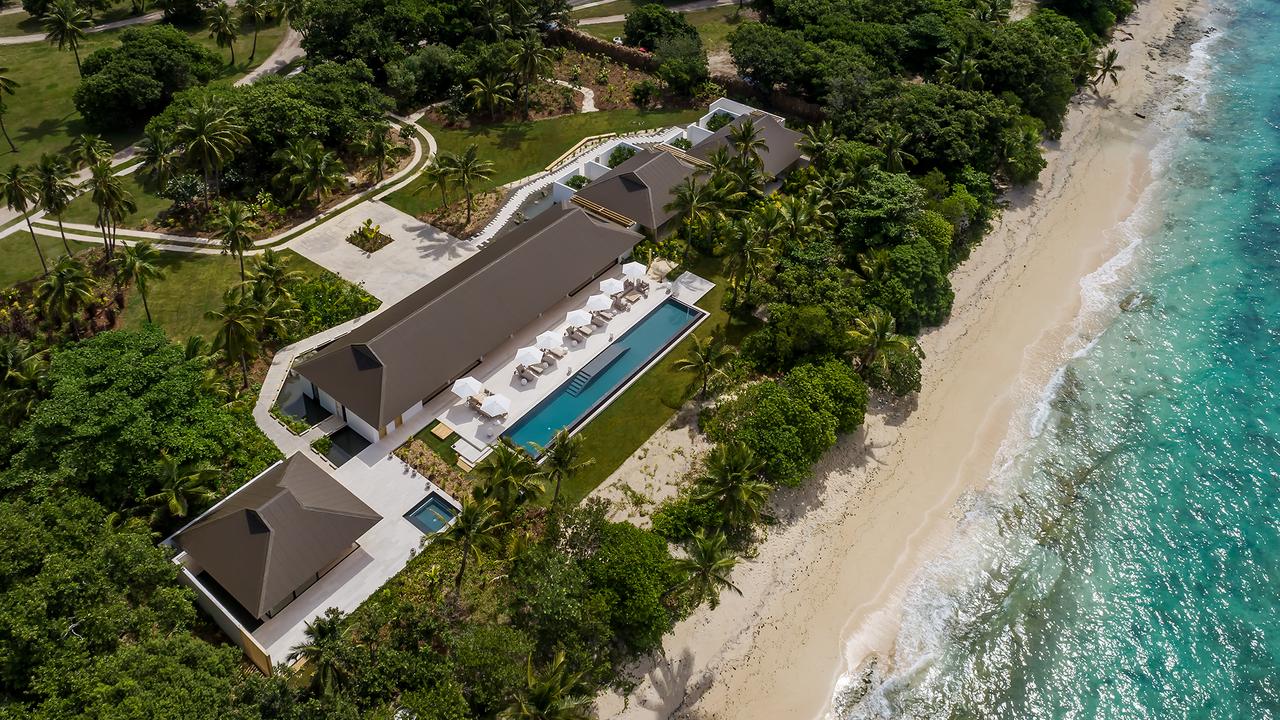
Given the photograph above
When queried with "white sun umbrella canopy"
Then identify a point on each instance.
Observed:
(495, 405)
(599, 302)
(578, 317)
(466, 387)
(633, 270)
(611, 286)
(528, 355)
(548, 340)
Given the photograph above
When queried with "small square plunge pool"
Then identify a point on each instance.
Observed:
(432, 515)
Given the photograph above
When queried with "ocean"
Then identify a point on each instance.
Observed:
(1124, 559)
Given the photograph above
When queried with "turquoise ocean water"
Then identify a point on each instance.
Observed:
(1125, 561)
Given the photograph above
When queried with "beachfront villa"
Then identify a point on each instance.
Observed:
(536, 330)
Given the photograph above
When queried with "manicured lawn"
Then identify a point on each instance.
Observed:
(654, 398)
(443, 448)
(714, 25)
(20, 260)
(620, 7)
(193, 284)
(521, 149)
(19, 23)
(82, 209)
(42, 117)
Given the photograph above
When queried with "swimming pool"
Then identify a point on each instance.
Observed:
(432, 514)
(595, 383)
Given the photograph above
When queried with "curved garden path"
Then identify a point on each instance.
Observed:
(39, 37)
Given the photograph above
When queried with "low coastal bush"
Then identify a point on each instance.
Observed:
(621, 154)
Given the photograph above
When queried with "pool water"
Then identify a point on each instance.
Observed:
(432, 514)
(347, 443)
(595, 383)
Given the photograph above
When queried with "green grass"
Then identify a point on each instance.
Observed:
(653, 399)
(714, 25)
(19, 23)
(620, 7)
(82, 209)
(193, 284)
(42, 118)
(520, 149)
(20, 260)
(443, 448)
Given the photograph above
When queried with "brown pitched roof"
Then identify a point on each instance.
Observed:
(272, 535)
(640, 188)
(783, 144)
(413, 349)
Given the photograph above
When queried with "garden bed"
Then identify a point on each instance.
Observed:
(369, 237)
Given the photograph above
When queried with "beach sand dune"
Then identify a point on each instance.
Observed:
(849, 541)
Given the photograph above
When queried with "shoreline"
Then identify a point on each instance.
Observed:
(824, 593)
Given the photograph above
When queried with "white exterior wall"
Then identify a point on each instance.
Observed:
(369, 432)
(222, 618)
(593, 169)
(696, 133)
(326, 401)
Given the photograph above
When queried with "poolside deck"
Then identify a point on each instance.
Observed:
(497, 372)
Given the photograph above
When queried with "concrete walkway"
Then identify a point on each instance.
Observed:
(288, 50)
(685, 8)
(39, 37)
(588, 95)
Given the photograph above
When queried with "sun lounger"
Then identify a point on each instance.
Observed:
(557, 353)
(598, 320)
(579, 334)
(474, 402)
(633, 297)
(549, 358)
(526, 375)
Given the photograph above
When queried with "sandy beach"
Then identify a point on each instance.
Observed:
(824, 590)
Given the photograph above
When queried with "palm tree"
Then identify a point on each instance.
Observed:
(159, 155)
(237, 335)
(224, 27)
(992, 12)
(255, 11)
(800, 217)
(54, 189)
(181, 486)
(751, 250)
(490, 94)
(20, 192)
(893, 140)
(467, 170)
(563, 459)
(875, 341)
(697, 202)
(137, 264)
(211, 135)
(310, 170)
(707, 569)
(88, 150)
(704, 360)
(745, 139)
(474, 532)
(378, 147)
(529, 62)
(958, 69)
(732, 480)
(436, 175)
(23, 371)
(271, 272)
(508, 476)
(290, 12)
(550, 695)
(65, 23)
(327, 652)
(1107, 68)
(8, 86)
(818, 144)
(114, 202)
(66, 292)
(234, 227)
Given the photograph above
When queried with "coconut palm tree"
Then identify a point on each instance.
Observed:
(732, 480)
(550, 695)
(707, 569)
(138, 264)
(508, 476)
(65, 24)
(957, 69)
(20, 192)
(1107, 68)
(181, 486)
(290, 12)
(8, 86)
(697, 202)
(436, 175)
(54, 189)
(491, 94)
(23, 371)
(256, 12)
(160, 156)
(875, 341)
(892, 141)
(746, 141)
(66, 292)
(992, 12)
(531, 61)
(114, 202)
(210, 135)
(88, 150)
(234, 227)
(377, 147)
(751, 250)
(224, 27)
(327, 652)
(800, 217)
(271, 272)
(467, 170)
(474, 532)
(818, 143)
(704, 360)
(563, 459)
(309, 170)
(237, 335)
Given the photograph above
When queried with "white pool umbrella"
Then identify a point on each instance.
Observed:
(549, 339)
(528, 355)
(599, 302)
(578, 317)
(633, 270)
(611, 286)
(466, 387)
(495, 405)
